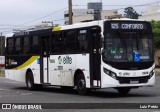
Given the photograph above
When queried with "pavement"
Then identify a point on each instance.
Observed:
(157, 70)
(16, 92)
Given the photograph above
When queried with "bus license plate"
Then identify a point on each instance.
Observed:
(134, 82)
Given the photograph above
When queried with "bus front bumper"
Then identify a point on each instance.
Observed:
(132, 82)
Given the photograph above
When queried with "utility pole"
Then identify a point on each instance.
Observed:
(70, 12)
(1, 44)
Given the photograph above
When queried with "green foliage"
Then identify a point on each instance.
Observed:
(156, 33)
(130, 13)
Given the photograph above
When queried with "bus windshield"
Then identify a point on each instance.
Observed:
(128, 47)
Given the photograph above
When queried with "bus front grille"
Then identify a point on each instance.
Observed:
(133, 80)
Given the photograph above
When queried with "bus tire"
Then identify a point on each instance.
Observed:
(123, 91)
(30, 81)
(81, 85)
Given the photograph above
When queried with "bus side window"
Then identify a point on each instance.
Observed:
(70, 41)
(82, 41)
(35, 45)
(26, 45)
(57, 43)
(17, 46)
(10, 46)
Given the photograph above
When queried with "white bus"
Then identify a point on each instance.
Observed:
(114, 53)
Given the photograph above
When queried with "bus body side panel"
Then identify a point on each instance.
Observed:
(35, 68)
(54, 73)
(23, 75)
(13, 69)
(9, 74)
(62, 69)
(18, 73)
(82, 62)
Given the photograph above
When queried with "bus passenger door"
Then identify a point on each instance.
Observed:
(95, 56)
(44, 57)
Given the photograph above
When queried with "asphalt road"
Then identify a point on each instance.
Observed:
(16, 92)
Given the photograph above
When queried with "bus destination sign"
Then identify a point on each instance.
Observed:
(130, 26)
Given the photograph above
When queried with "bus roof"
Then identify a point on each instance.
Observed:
(76, 25)
(92, 23)
(9, 35)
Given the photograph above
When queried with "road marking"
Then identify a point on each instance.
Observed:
(2, 89)
(11, 82)
(25, 94)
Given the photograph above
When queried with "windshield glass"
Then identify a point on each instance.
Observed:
(127, 46)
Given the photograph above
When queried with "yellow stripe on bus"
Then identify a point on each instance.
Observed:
(28, 62)
(58, 28)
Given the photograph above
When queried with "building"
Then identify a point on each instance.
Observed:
(152, 13)
(94, 11)
(2, 45)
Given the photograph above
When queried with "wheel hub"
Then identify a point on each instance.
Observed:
(81, 84)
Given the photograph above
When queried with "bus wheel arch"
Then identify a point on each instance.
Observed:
(80, 82)
(78, 72)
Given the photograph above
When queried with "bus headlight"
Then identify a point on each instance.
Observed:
(110, 73)
(151, 74)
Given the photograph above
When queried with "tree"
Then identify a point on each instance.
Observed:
(156, 33)
(130, 13)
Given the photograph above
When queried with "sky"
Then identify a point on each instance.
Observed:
(18, 14)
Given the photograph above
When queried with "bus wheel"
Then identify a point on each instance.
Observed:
(81, 85)
(30, 81)
(123, 91)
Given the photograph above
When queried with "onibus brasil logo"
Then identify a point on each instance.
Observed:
(65, 60)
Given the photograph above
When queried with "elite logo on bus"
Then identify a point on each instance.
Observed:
(66, 60)
(60, 60)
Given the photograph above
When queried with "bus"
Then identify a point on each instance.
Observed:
(115, 53)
